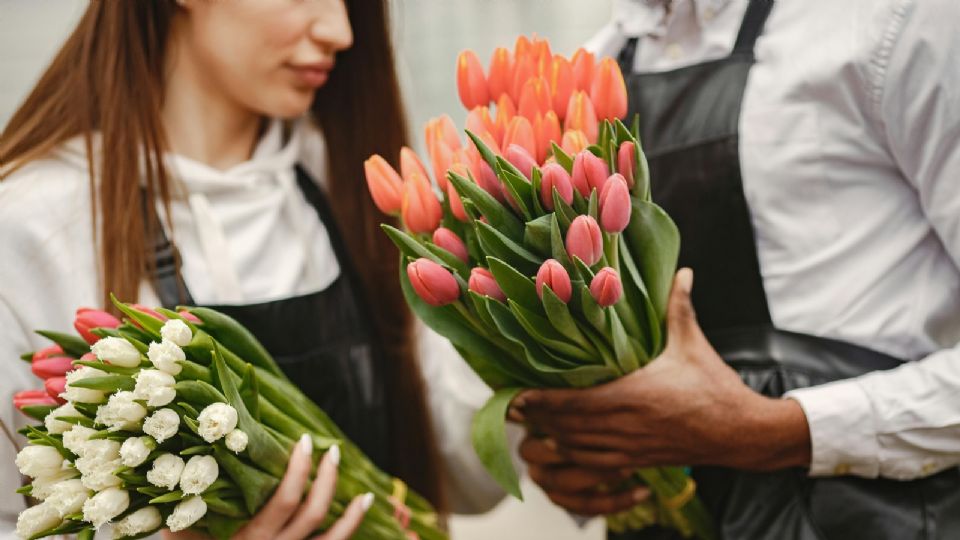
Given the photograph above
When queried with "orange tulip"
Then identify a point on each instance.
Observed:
(535, 98)
(480, 123)
(582, 61)
(420, 209)
(608, 91)
(524, 70)
(547, 130)
(456, 205)
(520, 133)
(442, 128)
(561, 84)
(500, 77)
(386, 186)
(410, 163)
(522, 47)
(542, 56)
(574, 141)
(441, 157)
(582, 116)
(471, 82)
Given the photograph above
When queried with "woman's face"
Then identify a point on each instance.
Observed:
(268, 56)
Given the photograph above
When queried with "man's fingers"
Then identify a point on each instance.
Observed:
(351, 519)
(286, 499)
(575, 479)
(592, 504)
(681, 317)
(537, 451)
(598, 399)
(312, 512)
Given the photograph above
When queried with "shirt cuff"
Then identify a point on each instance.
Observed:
(843, 433)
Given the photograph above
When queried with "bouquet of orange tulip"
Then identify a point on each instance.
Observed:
(543, 261)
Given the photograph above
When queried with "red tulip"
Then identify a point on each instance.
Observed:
(410, 163)
(615, 206)
(562, 84)
(190, 317)
(55, 366)
(534, 98)
(584, 240)
(627, 162)
(433, 283)
(582, 116)
(483, 283)
(87, 319)
(547, 130)
(54, 387)
(606, 287)
(520, 132)
(552, 274)
(582, 61)
(471, 83)
(146, 311)
(446, 239)
(420, 209)
(589, 173)
(555, 177)
(48, 352)
(608, 90)
(574, 142)
(385, 185)
(29, 398)
(500, 77)
(521, 159)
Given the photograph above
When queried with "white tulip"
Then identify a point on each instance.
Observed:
(36, 520)
(57, 427)
(99, 475)
(166, 356)
(39, 461)
(100, 450)
(237, 441)
(162, 424)
(116, 351)
(166, 471)
(42, 487)
(68, 497)
(177, 332)
(155, 387)
(134, 451)
(83, 395)
(76, 438)
(106, 505)
(199, 474)
(144, 520)
(121, 412)
(186, 513)
(216, 420)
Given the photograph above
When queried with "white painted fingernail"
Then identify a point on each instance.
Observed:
(367, 501)
(334, 454)
(306, 444)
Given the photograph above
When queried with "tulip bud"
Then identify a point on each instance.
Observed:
(480, 123)
(584, 240)
(166, 356)
(562, 84)
(410, 163)
(534, 99)
(524, 70)
(521, 159)
(522, 47)
(162, 424)
(47, 352)
(105, 505)
(27, 398)
(116, 351)
(582, 116)
(453, 198)
(606, 288)
(216, 420)
(542, 56)
(547, 130)
(441, 157)
(122, 412)
(471, 83)
(386, 186)
(56, 366)
(147, 311)
(574, 142)
(608, 91)
(420, 209)
(58, 427)
(142, 521)
(176, 331)
(627, 162)
(190, 317)
(87, 319)
(447, 132)
(615, 205)
(582, 61)
(82, 395)
(187, 512)
(54, 387)
(236, 441)
(489, 182)
(199, 474)
(552, 274)
(589, 173)
(506, 110)
(483, 283)
(446, 239)
(37, 520)
(555, 177)
(433, 283)
(520, 132)
(165, 471)
(500, 78)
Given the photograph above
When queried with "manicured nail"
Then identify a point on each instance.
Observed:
(334, 455)
(367, 501)
(641, 494)
(306, 444)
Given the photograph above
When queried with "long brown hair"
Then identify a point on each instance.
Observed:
(109, 77)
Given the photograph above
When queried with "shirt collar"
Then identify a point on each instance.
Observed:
(636, 18)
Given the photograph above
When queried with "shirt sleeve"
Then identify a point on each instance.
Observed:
(905, 423)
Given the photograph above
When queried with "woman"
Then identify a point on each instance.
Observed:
(163, 124)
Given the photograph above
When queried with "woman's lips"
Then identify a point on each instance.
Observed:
(312, 75)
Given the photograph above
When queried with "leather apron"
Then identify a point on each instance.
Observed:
(689, 127)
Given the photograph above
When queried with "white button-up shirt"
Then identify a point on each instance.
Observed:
(850, 152)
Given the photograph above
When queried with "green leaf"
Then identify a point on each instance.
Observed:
(564, 159)
(537, 233)
(232, 508)
(637, 296)
(108, 368)
(451, 261)
(199, 393)
(27, 357)
(543, 365)
(496, 244)
(173, 496)
(626, 356)
(559, 314)
(171, 314)
(148, 323)
(203, 449)
(223, 527)
(237, 338)
(72, 345)
(490, 440)
(517, 186)
(642, 175)
(654, 242)
(255, 485)
(557, 247)
(250, 393)
(593, 205)
(543, 331)
(498, 215)
(564, 212)
(37, 412)
(535, 179)
(488, 155)
(134, 339)
(107, 383)
(591, 310)
(408, 245)
(515, 285)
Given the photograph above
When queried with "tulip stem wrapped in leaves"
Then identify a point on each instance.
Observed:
(179, 420)
(544, 261)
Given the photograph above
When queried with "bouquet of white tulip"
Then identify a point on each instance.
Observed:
(179, 420)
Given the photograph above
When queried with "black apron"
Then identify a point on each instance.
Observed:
(321, 340)
(689, 127)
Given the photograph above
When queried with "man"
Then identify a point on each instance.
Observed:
(808, 152)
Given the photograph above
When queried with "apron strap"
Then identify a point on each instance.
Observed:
(752, 25)
(170, 287)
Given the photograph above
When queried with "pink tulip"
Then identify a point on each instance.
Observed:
(410, 163)
(55, 366)
(433, 283)
(582, 116)
(420, 209)
(615, 206)
(608, 92)
(471, 83)
(29, 398)
(606, 287)
(89, 357)
(190, 317)
(483, 283)
(547, 130)
(520, 132)
(574, 142)
(521, 159)
(552, 274)
(446, 239)
(47, 352)
(555, 177)
(54, 387)
(562, 84)
(535, 99)
(589, 173)
(500, 77)
(453, 198)
(627, 162)
(584, 240)
(582, 61)
(442, 128)
(441, 157)
(87, 319)
(385, 185)
(488, 181)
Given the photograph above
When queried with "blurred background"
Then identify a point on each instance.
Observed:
(428, 35)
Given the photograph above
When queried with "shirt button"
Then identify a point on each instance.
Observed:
(674, 51)
(929, 467)
(842, 469)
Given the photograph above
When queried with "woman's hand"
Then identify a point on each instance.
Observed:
(290, 516)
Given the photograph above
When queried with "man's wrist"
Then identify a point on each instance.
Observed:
(778, 436)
